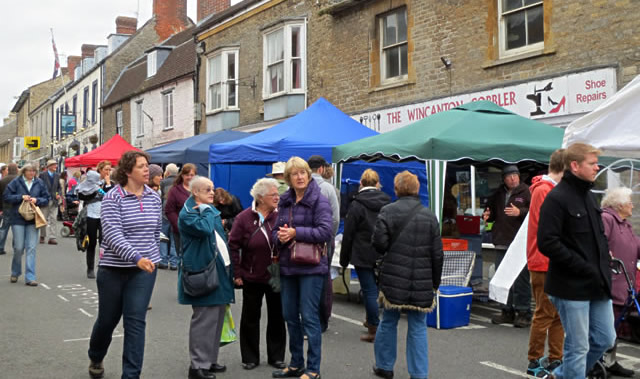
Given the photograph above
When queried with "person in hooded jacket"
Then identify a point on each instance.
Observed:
(407, 235)
(356, 244)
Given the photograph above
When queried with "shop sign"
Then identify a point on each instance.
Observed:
(563, 95)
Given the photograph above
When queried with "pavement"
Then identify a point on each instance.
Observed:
(45, 332)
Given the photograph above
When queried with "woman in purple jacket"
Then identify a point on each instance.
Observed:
(304, 215)
(252, 247)
(178, 194)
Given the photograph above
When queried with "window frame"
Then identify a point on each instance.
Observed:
(139, 118)
(152, 63)
(85, 107)
(167, 110)
(287, 60)
(384, 80)
(223, 54)
(119, 122)
(94, 102)
(503, 52)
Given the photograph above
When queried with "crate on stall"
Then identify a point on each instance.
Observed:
(452, 244)
(453, 308)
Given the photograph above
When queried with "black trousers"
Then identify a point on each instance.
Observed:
(94, 231)
(252, 294)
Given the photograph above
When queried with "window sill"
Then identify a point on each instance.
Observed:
(167, 129)
(214, 112)
(384, 87)
(283, 93)
(518, 57)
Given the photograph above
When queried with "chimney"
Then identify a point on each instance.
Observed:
(72, 62)
(171, 17)
(126, 25)
(209, 7)
(87, 50)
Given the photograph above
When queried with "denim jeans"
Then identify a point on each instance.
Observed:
(589, 332)
(300, 308)
(25, 237)
(4, 228)
(168, 249)
(370, 291)
(385, 345)
(123, 292)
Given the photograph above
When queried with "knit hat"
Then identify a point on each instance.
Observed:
(510, 169)
(154, 170)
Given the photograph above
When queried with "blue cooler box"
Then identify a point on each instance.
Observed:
(453, 307)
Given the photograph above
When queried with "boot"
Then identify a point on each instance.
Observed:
(506, 317)
(522, 320)
(370, 336)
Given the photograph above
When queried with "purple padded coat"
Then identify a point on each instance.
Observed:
(624, 245)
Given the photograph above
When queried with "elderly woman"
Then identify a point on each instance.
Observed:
(178, 194)
(252, 246)
(25, 188)
(407, 235)
(304, 215)
(131, 220)
(202, 238)
(356, 244)
(624, 244)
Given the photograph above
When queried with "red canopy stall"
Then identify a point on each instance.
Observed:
(111, 150)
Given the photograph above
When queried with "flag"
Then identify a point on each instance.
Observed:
(56, 64)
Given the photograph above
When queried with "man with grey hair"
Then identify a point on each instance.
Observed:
(12, 173)
(168, 245)
(51, 179)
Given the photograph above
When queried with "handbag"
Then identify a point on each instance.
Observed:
(26, 210)
(201, 283)
(305, 253)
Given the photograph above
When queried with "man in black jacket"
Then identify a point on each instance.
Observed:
(6, 207)
(507, 208)
(51, 179)
(578, 282)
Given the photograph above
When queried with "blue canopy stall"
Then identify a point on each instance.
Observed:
(193, 149)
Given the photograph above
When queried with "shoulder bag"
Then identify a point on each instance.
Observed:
(305, 253)
(201, 283)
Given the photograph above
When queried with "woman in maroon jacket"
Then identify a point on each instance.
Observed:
(178, 194)
(252, 247)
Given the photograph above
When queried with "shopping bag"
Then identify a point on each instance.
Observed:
(26, 210)
(40, 219)
(229, 334)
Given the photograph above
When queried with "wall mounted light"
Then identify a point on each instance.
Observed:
(446, 62)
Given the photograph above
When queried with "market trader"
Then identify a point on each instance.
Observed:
(571, 234)
(507, 208)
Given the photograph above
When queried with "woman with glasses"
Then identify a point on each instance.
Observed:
(252, 246)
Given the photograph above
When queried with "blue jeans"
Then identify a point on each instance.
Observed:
(370, 291)
(168, 249)
(589, 332)
(4, 229)
(300, 308)
(385, 345)
(123, 292)
(25, 237)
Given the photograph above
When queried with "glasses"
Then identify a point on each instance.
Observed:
(210, 189)
(273, 195)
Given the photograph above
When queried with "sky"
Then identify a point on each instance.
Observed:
(25, 36)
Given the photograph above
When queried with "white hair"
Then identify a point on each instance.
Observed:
(616, 197)
(262, 187)
(198, 182)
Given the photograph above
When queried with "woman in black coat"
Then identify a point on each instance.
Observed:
(356, 244)
(408, 236)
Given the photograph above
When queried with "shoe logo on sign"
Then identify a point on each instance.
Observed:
(32, 143)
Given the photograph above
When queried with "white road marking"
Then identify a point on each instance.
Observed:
(472, 326)
(627, 357)
(63, 298)
(347, 319)
(622, 344)
(88, 338)
(486, 308)
(85, 312)
(45, 286)
(510, 370)
(480, 318)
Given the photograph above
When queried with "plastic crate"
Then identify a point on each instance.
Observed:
(453, 308)
(451, 244)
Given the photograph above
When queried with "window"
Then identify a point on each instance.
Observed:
(521, 26)
(167, 109)
(94, 101)
(223, 80)
(394, 60)
(139, 119)
(119, 124)
(284, 60)
(152, 59)
(85, 107)
(75, 103)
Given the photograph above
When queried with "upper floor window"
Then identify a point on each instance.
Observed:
(394, 60)
(119, 122)
(222, 80)
(94, 101)
(521, 26)
(284, 60)
(152, 66)
(139, 119)
(85, 107)
(167, 109)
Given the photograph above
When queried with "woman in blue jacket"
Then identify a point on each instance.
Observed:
(203, 239)
(26, 187)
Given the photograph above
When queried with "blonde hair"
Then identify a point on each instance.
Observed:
(616, 197)
(369, 178)
(406, 184)
(295, 163)
(578, 152)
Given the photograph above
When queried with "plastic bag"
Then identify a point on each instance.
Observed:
(229, 334)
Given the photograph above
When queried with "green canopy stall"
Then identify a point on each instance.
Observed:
(477, 132)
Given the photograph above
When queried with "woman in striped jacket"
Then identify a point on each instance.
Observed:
(131, 222)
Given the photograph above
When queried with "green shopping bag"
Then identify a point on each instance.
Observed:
(229, 334)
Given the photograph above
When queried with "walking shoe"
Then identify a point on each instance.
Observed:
(522, 320)
(370, 336)
(536, 370)
(200, 373)
(288, 372)
(554, 365)
(173, 267)
(278, 364)
(617, 370)
(13, 279)
(250, 366)
(53, 242)
(96, 370)
(32, 283)
(386, 374)
(163, 266)
(217, 368)
(506, 317)
(91, 274)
